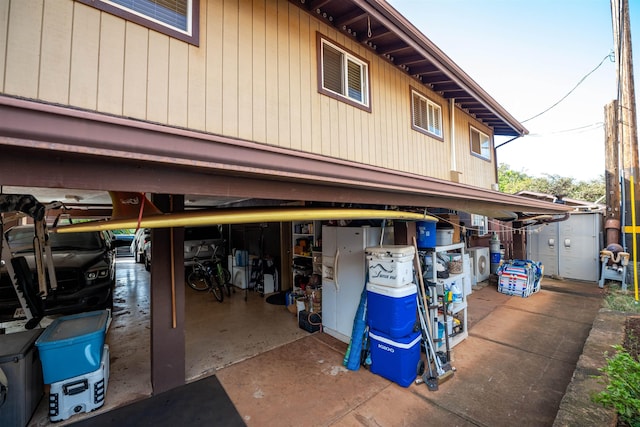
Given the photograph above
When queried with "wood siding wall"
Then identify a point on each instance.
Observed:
(253, 76)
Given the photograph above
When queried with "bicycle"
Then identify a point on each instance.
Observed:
(210, 275)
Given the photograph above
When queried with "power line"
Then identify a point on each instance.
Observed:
(572, 90)
(581, 129)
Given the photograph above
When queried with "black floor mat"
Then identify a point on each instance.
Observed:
(201, 403)
(277, 299)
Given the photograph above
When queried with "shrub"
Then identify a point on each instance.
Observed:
(623, 389)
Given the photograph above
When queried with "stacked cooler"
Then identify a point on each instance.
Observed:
(75, 362)
(391, 313)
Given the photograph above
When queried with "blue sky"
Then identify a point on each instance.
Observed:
(528, 54)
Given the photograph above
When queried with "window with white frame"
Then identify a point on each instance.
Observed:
(480, 224)
(426, 115)
(480, 143)
(176, 18)
(343, 75)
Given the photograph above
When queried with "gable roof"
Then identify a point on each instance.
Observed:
(378, 26)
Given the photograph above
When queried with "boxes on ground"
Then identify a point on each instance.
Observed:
(396, 359)
(83, 393)
(392, 311)
(390, 265)
(19, 362)
(72, 345)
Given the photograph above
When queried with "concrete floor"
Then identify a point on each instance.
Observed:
(217, 335)
(513, 369)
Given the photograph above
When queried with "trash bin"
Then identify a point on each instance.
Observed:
(20, 363)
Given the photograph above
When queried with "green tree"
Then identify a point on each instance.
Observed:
(510, 181)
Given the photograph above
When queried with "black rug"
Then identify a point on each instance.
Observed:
(201, 403)
(277, 299)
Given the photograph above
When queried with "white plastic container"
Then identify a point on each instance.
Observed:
(83, 393)
(444, 236)
(390, 265)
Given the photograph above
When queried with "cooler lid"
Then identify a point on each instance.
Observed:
(391, 250)
(393, 292)
(16, 345)
(77, 325)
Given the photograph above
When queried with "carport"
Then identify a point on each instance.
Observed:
(85, 151)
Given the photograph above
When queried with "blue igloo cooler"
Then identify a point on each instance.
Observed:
(392, 311)
(395, 359)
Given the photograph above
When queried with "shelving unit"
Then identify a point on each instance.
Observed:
(436, 289)
(304, 237)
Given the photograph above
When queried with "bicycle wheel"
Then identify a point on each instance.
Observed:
(227, 280)
(217, 291)
(198, 280)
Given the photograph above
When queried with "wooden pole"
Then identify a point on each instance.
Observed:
(627, 128)
(612, 174)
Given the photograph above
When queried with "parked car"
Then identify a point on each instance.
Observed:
(137, 245)
(85, 271)
(124, 249)
(147, 254)
(197, 242)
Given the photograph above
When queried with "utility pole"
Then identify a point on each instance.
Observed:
(612, 174)
(627, 126)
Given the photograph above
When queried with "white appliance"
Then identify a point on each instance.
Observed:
(343, 275)
(479, 263)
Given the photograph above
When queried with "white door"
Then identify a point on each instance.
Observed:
(579, 247)
(568, 249)
(543, 247)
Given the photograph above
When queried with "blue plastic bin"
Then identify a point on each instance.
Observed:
(426, 234)
(72, 345)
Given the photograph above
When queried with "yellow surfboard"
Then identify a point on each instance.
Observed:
(134, 210)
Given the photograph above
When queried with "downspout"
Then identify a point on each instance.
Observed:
(452, 122)
(495, 156)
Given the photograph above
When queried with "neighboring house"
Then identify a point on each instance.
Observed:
(333, 101)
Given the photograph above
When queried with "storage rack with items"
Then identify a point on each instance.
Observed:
(446, 293)
(305, 241)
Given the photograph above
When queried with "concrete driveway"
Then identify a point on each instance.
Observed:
(513, 369)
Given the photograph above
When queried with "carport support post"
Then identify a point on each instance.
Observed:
(167, 342)
(403, 232)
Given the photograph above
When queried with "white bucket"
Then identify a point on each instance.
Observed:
(300, 305)
(444, 237)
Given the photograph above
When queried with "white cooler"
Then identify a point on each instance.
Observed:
(390, 265)
(83, 393)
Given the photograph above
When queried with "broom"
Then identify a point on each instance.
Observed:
(443, 374)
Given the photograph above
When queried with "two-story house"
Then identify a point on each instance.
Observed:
(340, 101)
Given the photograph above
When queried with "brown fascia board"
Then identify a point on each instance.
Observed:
(412, 36)
(72, 131)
